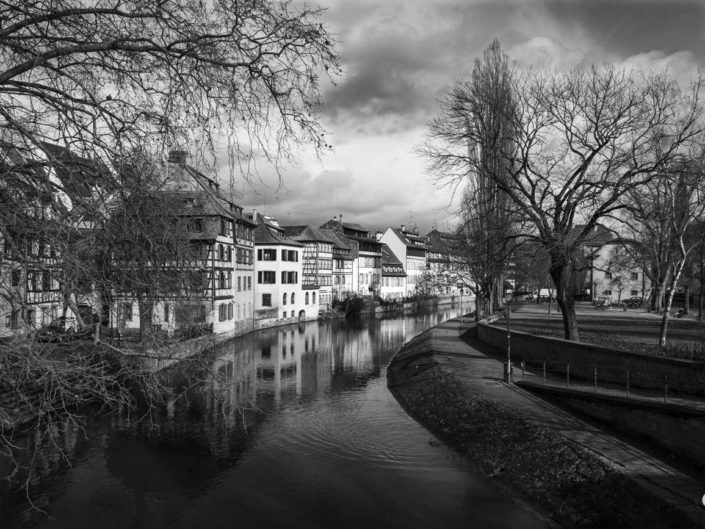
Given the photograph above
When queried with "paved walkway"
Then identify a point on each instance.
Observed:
(468, 361)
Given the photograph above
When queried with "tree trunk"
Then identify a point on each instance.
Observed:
(701, 297)
(669, 302)
(560, 275)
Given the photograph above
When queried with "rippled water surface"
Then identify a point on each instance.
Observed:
(293, 427)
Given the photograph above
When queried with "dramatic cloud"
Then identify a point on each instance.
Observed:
(400, 56)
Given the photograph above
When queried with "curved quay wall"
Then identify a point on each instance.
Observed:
(568, 481)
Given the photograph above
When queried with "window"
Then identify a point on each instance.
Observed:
(195, 225)
(284, 299)
(221, 279)
(293, 294)
(222, 312)
(266, 300)
(266, 255)
(284, 316)
(266, 278)
(166, 313)
(29, 317)
(634, 293)
(306, 299)
(230, 311)
(12, 320)
(314, 298)
(292, 315)
(239, 283)
(290, 255)
(635, 276)
(608, 275)
(127, 311)
(230, 254)
(249, 283)
(289, 278)
(221, 252)
(15, 280)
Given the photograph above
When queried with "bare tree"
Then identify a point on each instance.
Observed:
(484, 106)
(578, 143)
(86, 83)
(663, 212)
(99, 76)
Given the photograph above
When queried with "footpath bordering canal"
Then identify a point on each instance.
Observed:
(579, 474)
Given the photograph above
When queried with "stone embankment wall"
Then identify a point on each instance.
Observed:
(568, 481)
(678, 428)
(645, 371)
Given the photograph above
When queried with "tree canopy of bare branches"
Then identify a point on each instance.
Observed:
(101, 76)
(579, 141)
(662, 215)
(88, 87)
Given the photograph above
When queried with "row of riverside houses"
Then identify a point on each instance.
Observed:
(249, 271)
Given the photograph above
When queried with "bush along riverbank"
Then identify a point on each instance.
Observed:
(570, 483)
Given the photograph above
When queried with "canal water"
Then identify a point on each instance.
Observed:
(289, 427)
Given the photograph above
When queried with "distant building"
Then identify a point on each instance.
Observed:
(317, 263)
(393, 276)
(280, 295)
(221, 246)
(33, 238)
(367, 251)
(606, 267)
(344, 255)
(447, 269)
(410, 249)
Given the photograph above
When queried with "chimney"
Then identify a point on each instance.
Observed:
(403, 228)
(378, 236)
(178, 156)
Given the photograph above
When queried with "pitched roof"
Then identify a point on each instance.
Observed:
(442, 242)
(599, 235)
(339, 240)
(79, 176)
(265, 235)
(307, 233)
(410, 239)
(389, 259)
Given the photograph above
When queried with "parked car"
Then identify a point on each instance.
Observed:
(634, 302)
(603, 302)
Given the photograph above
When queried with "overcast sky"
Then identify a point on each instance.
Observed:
(400, 56)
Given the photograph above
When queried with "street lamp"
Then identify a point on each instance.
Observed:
(460, 286)
(508, 366)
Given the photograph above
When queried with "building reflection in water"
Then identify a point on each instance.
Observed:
(225, 397)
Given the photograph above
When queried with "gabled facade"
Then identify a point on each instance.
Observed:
(317, 263)
(32, 238)
(343, 258)
(444, 264)
(279, 293)
(221, 246)
(367, 252)
(410, 249)
(393, 285)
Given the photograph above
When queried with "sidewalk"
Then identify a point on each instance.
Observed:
(467, 360)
